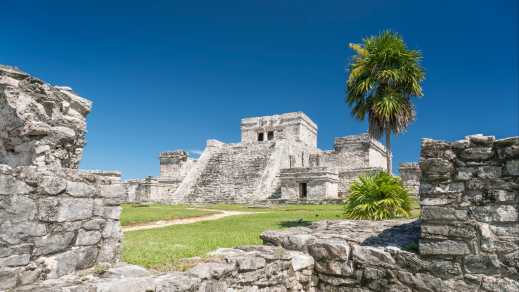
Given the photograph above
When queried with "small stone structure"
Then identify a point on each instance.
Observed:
(313, 184)
(410, 175)
(277, 159)
(54, 219)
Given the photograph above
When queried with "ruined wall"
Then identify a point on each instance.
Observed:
(470, 200)
(354, 152)
(54, 219)
(175, 164)
(251, 268)
(41, 124)
(467, 240)
(410, 175)
(54, 222)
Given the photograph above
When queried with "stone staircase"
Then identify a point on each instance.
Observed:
(233, 173)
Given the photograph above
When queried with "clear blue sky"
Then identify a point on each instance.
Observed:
(171, 74)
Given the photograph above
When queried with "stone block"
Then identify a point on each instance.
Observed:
(94, 224)
(477, 153)
(115, 192)
(502, 195)
(65, 209)
(329, 249)
(80, 189)
(465, 173)
(53, 185)
(88, 237)
(458, 230)
(511, 151)
(504, 213)
(52, 243)
(17, 208)
(443, 268)
(335, 267)
(499, 284)
(17, 232)
(9, 185)
(8, 277)
(436, 169)
(444, 247)
(302, 261)
(489, 171)
(15, 260)
(249, 263)
(110, 250)
(512, 167)
(372, 256)
(443, 213)
(482, 264)
(211, 270)
(69, 261)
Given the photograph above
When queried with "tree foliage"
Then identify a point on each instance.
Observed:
(383, 76)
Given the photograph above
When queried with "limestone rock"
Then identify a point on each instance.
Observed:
(41, 124)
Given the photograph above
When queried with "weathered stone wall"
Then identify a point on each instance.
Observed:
(354, 152)
(295, 127)
(321, 183)
(41, 124)
(470, 200)
(252, 268)
(175, 164)
(467, 240)
(55, 221)
(410, 175)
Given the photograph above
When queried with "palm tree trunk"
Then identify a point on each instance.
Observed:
(388, 151)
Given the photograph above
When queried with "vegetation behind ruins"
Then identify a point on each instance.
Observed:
(378, 196)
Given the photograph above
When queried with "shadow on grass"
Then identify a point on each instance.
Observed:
(295, 223)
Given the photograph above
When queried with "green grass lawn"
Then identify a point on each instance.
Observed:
(141, 213)
(163, 248)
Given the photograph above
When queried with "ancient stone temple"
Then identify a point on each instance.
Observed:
(277, 159)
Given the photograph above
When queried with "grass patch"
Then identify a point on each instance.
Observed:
(164, 248)
(142, 213)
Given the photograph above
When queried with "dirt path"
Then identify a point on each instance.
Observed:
(163, 223)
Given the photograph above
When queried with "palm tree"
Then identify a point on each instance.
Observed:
(383, 76)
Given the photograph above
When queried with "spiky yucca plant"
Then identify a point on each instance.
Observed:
(377, 196)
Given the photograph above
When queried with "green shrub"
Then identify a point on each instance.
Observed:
(377, 196)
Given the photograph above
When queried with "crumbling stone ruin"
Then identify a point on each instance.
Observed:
(467, 240)
(54, 219)
(277, 159)
(41, 124)
(410, 175)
